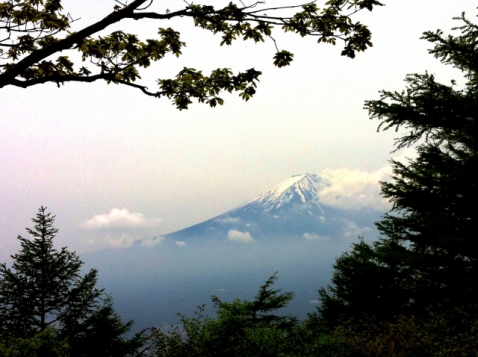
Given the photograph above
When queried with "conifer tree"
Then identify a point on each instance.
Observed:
(242, 328)
(427, 256)
(44, 287)
(44, 290)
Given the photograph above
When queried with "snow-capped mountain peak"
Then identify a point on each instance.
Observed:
(304, 186)
(290, 209)
(298, 189)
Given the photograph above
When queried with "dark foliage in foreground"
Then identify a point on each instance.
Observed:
(48, 309)
(421, 276)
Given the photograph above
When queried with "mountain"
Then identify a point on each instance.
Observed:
(289, 210)
(287, 229)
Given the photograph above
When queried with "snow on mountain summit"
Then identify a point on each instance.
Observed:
(299, 184)
(298, 190)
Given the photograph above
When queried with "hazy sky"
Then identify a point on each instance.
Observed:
(115, 165)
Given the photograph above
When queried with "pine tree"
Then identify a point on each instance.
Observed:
(242, 328)
(44, 287)
(44, 290)
(427, 256)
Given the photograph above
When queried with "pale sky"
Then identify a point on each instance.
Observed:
(115, 165)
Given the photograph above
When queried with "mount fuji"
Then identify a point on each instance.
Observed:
(290, 210)
(287, 229)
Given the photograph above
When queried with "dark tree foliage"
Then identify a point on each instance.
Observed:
(35, 43)
(43, 287)
(428, 254)
(259, 311)
(362, 283)
(43, 291)
(101, 334)
(44, 344)
(242, 328)
(450, 334)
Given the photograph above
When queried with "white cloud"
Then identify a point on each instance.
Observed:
(237, 236)
(181, 243)
(118, 238)
(121, 241)
(120, 218)
(351, 229)
(314, 236)
(358, 188)
(354, 189)
(228, 220)
(150, 242)
(315, 301)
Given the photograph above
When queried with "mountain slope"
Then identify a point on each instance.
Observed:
(292, 209)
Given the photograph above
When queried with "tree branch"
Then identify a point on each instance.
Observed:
(38, 55)
(61, 79)
(155, 15)
(120, 54)
(86, 79)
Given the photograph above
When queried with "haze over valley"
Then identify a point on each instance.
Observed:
(286, 230)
